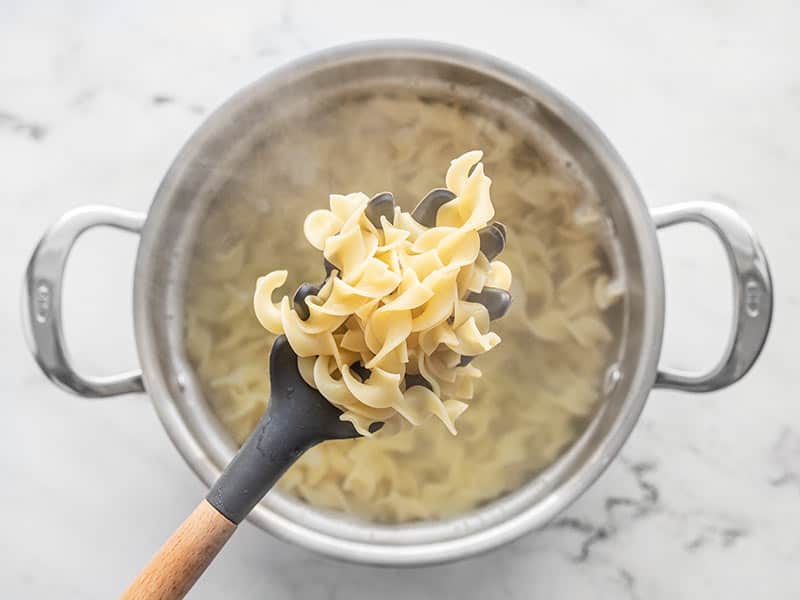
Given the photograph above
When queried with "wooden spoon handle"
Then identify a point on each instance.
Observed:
(180, 562)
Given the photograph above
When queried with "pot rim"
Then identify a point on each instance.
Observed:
(532, 517)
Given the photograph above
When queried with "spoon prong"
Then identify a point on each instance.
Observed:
(493, 240)
(425, 212)
(381, 205)
(304, 290)
(497, 301)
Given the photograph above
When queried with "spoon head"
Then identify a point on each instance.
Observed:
(295, 404)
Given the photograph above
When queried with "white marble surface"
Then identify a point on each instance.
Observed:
(704, 103)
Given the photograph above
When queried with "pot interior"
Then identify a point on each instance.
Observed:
(236, 198)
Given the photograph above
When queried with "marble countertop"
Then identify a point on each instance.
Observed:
(703, 103)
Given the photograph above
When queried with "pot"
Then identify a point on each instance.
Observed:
(178, 209)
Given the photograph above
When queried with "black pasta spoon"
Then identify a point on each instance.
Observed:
(297, 418)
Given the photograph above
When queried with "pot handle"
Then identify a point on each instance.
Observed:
(41, 301)
(752, 294)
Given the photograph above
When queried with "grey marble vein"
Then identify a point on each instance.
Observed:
(786, 455)
(618, 510)
(22, 126)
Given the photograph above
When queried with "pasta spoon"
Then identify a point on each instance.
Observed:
(297, 418)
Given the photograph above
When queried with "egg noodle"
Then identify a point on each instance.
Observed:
(396, 303)
(539, 386)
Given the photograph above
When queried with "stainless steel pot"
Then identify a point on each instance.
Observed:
(166, 244)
